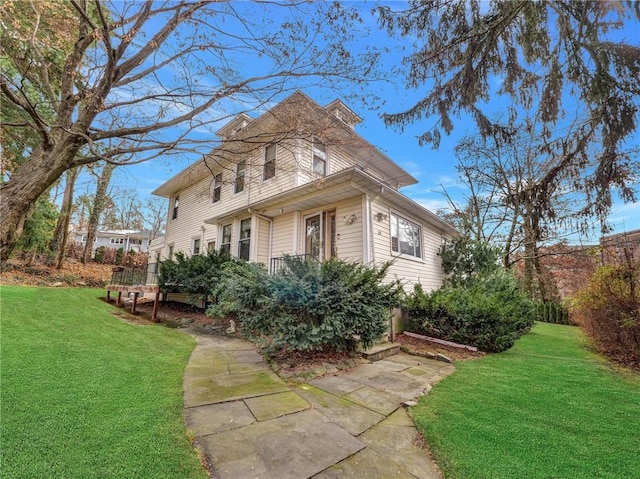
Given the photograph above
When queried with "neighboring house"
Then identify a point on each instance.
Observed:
(299, 180)
(128, 240)
(620, 247)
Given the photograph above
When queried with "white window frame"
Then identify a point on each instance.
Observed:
(396, 234)
(241, 168)
(196, 246)
(246, 240)
(268, 160)
(216, 187)
(320, 154)
(224, 244)
(176, 204)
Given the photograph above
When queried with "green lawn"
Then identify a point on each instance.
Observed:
(85, 395)
(547, 408)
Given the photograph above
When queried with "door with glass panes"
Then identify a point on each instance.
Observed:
(320, 235)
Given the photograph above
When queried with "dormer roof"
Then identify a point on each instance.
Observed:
(235, 125)
(343, 113)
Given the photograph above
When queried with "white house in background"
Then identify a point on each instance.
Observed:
(128, 240)
(299, 180)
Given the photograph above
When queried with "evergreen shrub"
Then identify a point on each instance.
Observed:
(488, 312)
(197, 275)
(307, 305)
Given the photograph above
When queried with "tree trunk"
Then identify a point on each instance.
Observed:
(99, 203)
(65, 212)
(27, 184)
(62, 228)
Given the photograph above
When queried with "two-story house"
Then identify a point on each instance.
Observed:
(299, 180)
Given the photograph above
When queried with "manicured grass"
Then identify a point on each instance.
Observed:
(547, 408)
(86, 395)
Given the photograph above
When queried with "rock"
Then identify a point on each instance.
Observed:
(208, 328)
(57, 284)
(410, 403)
(442, 357)
(80, 283)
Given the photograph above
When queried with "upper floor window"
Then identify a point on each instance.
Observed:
(225, 244)
(269, 162)
(240, 168)
(405, 237)
(244, 243)
(319, 158)
(196, 246)
(176, 203)
(116, 240)
(216, 188)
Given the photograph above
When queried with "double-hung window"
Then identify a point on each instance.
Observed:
(216, 188)
(269, 162)
(225, 244)
(196, 246)
(176, 203)
(319, 158)
(240, 169)
(244, 243)
(406, 237)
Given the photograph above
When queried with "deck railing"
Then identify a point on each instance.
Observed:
(139, 275)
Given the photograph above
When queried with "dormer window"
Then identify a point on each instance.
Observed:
(319, 158)
(269, 162)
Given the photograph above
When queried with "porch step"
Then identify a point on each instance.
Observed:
(381, 351)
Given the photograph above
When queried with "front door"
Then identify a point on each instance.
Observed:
(320, 235)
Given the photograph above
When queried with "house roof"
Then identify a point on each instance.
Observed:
(364, 152)
(333, 188)
(130, 233)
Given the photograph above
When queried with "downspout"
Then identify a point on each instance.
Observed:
(370, 221)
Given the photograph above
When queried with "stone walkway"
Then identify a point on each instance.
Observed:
(248, 423)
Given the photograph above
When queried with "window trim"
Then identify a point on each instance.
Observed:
(398, 252)
(317, 155)
(196, 246)
(222, 238)
(216, 188)
(240, 177)
(119, 240)
(269, 167)
(176, 204)
(242, 240)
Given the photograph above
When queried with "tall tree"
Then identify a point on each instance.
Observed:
(571, 66)
(61, 232)
(100, 200)
(155, 74)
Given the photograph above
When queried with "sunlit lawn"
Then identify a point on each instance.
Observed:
(547, 408)
(86, 395)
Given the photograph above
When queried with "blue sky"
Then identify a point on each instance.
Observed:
(432, 168)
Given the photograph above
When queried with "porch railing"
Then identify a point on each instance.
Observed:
(278, 264)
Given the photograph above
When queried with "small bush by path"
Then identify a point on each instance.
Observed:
(547, 408)
(86, 395)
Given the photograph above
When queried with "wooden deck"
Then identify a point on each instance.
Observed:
(136, 289)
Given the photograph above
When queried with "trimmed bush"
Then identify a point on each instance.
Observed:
(487, 312)
(552, 312)
(309, 306)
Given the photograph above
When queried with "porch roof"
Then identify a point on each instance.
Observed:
(339, 186)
